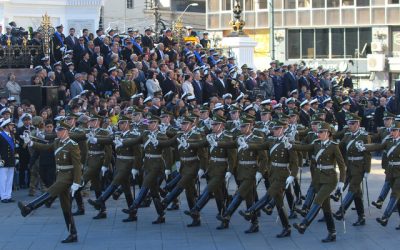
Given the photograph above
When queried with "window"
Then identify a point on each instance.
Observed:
(337, 41)
(396, 42)
(393, 1)
(351, 42)
(249, 5)
(129, 4)
(333, 3)
(322, 43)
(293, 43)
(365, 39)
(262, 4)
(307, 42)
(318, 3)
(347, 2)
(226, 4)
(213, 6)
(362, 2)
(290, 4)
(303, 3)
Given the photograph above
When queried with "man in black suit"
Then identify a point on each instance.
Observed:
(79, 50)
(91, 85)
(84, 64)
(23, 151)
(341, 115)
(379, 113)
(305, 118)
(58, 43)
(156, 108)
(198, 87)
(289, 80)
(219, 83)
(168, 84)
(348, 82)
(70, 74)
(147, 39)
(7, 163)
(71, 41)
(98, 40)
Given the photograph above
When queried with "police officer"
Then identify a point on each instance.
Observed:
(67, 156)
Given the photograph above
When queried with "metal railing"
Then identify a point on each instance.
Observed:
(16, 56)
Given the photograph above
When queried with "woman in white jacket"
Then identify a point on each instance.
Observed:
(13, 88)
(152, 84)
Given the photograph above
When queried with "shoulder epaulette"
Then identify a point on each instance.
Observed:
(72, 142)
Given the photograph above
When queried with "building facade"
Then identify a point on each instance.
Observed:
(360, 35)
(71, 13)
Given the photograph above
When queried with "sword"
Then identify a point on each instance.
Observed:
(366, 187)
(343, 213)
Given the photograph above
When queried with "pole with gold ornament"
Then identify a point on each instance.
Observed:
(47, 31)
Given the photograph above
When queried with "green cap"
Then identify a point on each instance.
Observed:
(71, 115)
(396, 125)
(246, 119)
(388, 115)
(95, 117)
(124, 119)
(352, 117)
(278, 123)
(187, 119)
(62, 126)
(315, 119)
(153, 118)
(165, 112)
(293, 112)
(218, 119)
(324, 126)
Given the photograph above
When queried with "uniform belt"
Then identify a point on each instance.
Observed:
(125, 157)
(247, 162)
(151, 156)
(194, 158)
(394, 163)
(325, 167)
(64, 167)
(358, 158)
(280, 165)
(218, 159)
(95, 152)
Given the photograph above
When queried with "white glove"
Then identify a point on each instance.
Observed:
(200, 173)
(286, 143)
(167, 173)
(242, 144)
(340, 187)
(40, 135)
(366, 175)
(16, 161)
(360, 146)
(74, 188)
(2, 163)
(134, 173)
(154, 141)
(228, 175)
(183, 143)
(93, 140)
(26, 137)
(289, 180)
(104, 169)
(258, 177)
(118, 143)
(178, 165)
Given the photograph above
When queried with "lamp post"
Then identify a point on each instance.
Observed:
(272, 29)
(187, 7)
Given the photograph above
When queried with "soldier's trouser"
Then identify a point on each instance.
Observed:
(356, 181)
(35, 180)
(123, 172)
(395, 185)
(92, 172)
(323, 191)
(188, 182)
(216, 185)
(246, 190)
(276, 192)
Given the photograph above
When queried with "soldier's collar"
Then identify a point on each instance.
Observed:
(124, 133)
(65, 140)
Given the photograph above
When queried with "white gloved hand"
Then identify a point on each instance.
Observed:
(183, 143)
(16, 161)
(118, 143)
(2, 163)
(104, 169)
(360, 146)
(289, 180)
(178, 165)
(26, 137)
(74, 188)
(340, 187)
(200, 173)
(154, 141)
(286, 143)
(259, 176)
(134, 173)
(167, 172)
(228, 175)
(366, 175)
(93, 140)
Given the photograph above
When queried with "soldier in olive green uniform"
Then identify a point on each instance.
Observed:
(189, 159)
(98, 159)
(125, 155)
(221, 160)
(392, 148)
(67, 157)
(327, 154)
(381, 137)
(251, 164)
(283, 169)
(359, 164)
(154, 143)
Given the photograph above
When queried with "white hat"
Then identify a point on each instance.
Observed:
(304, 103)
(11, 99)
(26, 115)
(149, 98)
(169, 93)
(327, 100)
(226, 96)
(59, 118)
(239, 97)
(291, 99)
(191, 98)
(5, 110)
(218, 106)
(185, 95)
(137, 95)
(248, 107)
(293, 91)
(265, 102)
(278, 105)
(313, 101)
(112, 69)
(6, 122)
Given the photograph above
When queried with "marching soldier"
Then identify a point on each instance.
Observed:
(221, 160)
(68, 177)
(98, 160)
(326, 153)
(359, 164)
(283, 169)
(392, 149)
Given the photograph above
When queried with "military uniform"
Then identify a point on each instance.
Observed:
(68, 163)
(327, 154)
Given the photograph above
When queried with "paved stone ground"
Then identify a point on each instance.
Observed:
(45, 227)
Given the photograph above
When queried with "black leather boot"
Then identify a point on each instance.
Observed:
(99, 202)
(255, 208)
(160, 211)
(330, 225)
(360, 212)
(269, 207)
(36, 203)
(146, 202)
(117, 193)
(308, 219)
(307, 202)
(348, 199)
(285, 223)
(254, 228)
(230, 209)
(50, 202)
(201, 202)
(79, 203)
(171, 196)
(70, 223)
(382, 196)
(290, 200)
(133, 208)
(297, 192)
(388, 211)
